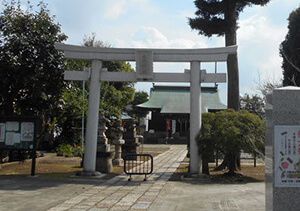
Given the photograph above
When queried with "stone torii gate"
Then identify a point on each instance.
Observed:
(144, 59)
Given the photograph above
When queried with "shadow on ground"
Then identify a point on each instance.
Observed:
(213, 179)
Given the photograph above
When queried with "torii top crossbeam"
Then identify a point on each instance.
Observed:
(159, 55)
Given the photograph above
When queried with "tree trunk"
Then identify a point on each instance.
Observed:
(205, 168)
(238, 161)
(232, 163)
(223, 165)
(233, 92)
(232, 62)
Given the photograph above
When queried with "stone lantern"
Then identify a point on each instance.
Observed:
(118, 141)
(104, 155)
(131, 138)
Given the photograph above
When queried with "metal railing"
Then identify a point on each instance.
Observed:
(138, 164)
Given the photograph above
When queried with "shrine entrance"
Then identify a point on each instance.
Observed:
(144, 59)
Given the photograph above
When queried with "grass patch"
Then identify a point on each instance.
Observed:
(53, 166)
(50, 165)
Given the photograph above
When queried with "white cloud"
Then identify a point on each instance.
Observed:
(117, 8)
(271, 68)
(259, 42)
(257, 29)
(151, 37)
(287, 2)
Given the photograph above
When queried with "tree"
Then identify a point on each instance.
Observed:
(113, 99)
(114, 95)
(68, 123)
(290, 51)
(229, 132)
(139, 98)
(219, 17)
(254, 104)
(267, 87)
(206, 142)
(31, 68)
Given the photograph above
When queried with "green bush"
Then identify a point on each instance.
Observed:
(65, 150)
(68, 150)
(77, 151)
(229, 132)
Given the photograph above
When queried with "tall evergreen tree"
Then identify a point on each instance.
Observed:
(219, 17)
(290, 51)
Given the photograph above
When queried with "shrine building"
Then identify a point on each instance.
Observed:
(169, 108)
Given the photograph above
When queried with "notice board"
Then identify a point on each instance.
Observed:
(19, 134)
(287, 155)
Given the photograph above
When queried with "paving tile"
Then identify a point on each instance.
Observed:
(77, 209)
(120, 208)
(88, 203)
(104, 205)
(82, 206)
(141, 206)
(98, 209)
(75, 200)
(147, 198)
(124, 203)
(95, 199)
(57, 209)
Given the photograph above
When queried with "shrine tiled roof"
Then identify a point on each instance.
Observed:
(176, 99)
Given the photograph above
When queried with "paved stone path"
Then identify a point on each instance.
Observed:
(197, 196)
(119, 194)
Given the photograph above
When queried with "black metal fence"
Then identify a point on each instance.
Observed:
(138, 164)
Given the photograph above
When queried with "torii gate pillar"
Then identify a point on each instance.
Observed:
(195, 116)
(90, 151)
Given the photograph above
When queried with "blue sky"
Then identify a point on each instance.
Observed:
(163, 24)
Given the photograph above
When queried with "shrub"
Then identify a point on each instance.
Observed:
(229, 132)
(65, 150)
(78, 151)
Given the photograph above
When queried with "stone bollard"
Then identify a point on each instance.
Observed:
(283, 150)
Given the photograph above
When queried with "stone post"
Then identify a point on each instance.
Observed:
(284, 131)
(195, 117)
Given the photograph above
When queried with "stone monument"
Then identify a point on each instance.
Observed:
(104, 154)
(283, 150)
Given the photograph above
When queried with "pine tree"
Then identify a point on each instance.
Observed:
(219, 17)
(290, 51)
